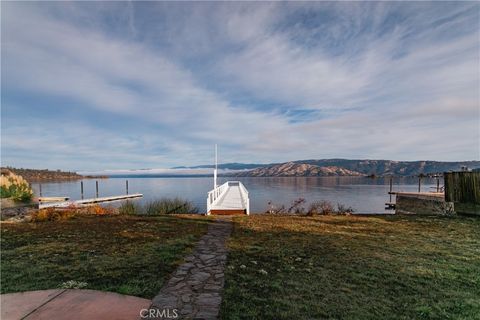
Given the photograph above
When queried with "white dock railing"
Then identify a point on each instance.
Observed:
(245, 198)
(215, 195)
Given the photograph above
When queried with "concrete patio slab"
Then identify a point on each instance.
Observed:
(18, 305)
(71, 304)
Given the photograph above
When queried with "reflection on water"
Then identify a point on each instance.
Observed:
(365, 195)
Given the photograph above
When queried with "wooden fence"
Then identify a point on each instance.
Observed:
(463, 189)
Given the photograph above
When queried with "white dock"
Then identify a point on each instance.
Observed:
(86, 202)
(229, 198)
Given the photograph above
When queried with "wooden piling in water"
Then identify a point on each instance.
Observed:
(126, 186)
(96, 187)
(81, 189)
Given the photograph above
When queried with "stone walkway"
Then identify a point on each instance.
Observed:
(194, 290)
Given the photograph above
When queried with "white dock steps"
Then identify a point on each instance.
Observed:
(229, 198)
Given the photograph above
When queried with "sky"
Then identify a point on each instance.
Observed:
(132, 85)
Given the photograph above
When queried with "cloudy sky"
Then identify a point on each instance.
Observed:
(112, 85)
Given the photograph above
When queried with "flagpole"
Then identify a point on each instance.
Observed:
(215, 170)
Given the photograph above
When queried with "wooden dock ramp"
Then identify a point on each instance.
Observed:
(86, 202)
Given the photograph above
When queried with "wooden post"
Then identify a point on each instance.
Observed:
(391, 189)
(419, 183)
(96, 185)
(40, 186)
(438, 184)
(126, 185)
(81, 189)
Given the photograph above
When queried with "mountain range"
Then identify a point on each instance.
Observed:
(342, 167)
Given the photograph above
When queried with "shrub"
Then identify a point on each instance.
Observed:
(158, 207)
(130, 208)
(169, 206)
(320, 207)
(15, 187)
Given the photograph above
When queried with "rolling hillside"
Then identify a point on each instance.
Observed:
(344, 167)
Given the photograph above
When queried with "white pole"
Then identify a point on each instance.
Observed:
(215, 170)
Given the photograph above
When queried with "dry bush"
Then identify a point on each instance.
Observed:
(56, 214)
(100, 211)
(320, 207)
(296, 206)
(52, 214)
(344, 209)
(273, 209)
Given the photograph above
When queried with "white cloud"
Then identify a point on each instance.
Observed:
(402, 93)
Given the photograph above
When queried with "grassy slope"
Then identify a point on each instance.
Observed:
(353, 268)
(125, 254)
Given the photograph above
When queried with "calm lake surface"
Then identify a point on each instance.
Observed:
(365, 195)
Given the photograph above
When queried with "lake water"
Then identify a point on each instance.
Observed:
(365, 195)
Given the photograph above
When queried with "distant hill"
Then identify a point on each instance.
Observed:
(35, 175)
(293, 169)
(345, 167)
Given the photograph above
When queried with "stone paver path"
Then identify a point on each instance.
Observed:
(195, 288)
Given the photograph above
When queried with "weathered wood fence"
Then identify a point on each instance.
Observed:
(463, 189)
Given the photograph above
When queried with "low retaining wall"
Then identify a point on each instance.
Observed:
(11, 210)
(422, 203)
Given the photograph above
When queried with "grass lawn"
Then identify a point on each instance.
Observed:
(347, 267)
(125, 254)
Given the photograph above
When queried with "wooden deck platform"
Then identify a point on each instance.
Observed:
(86, 202)
(52, 199)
